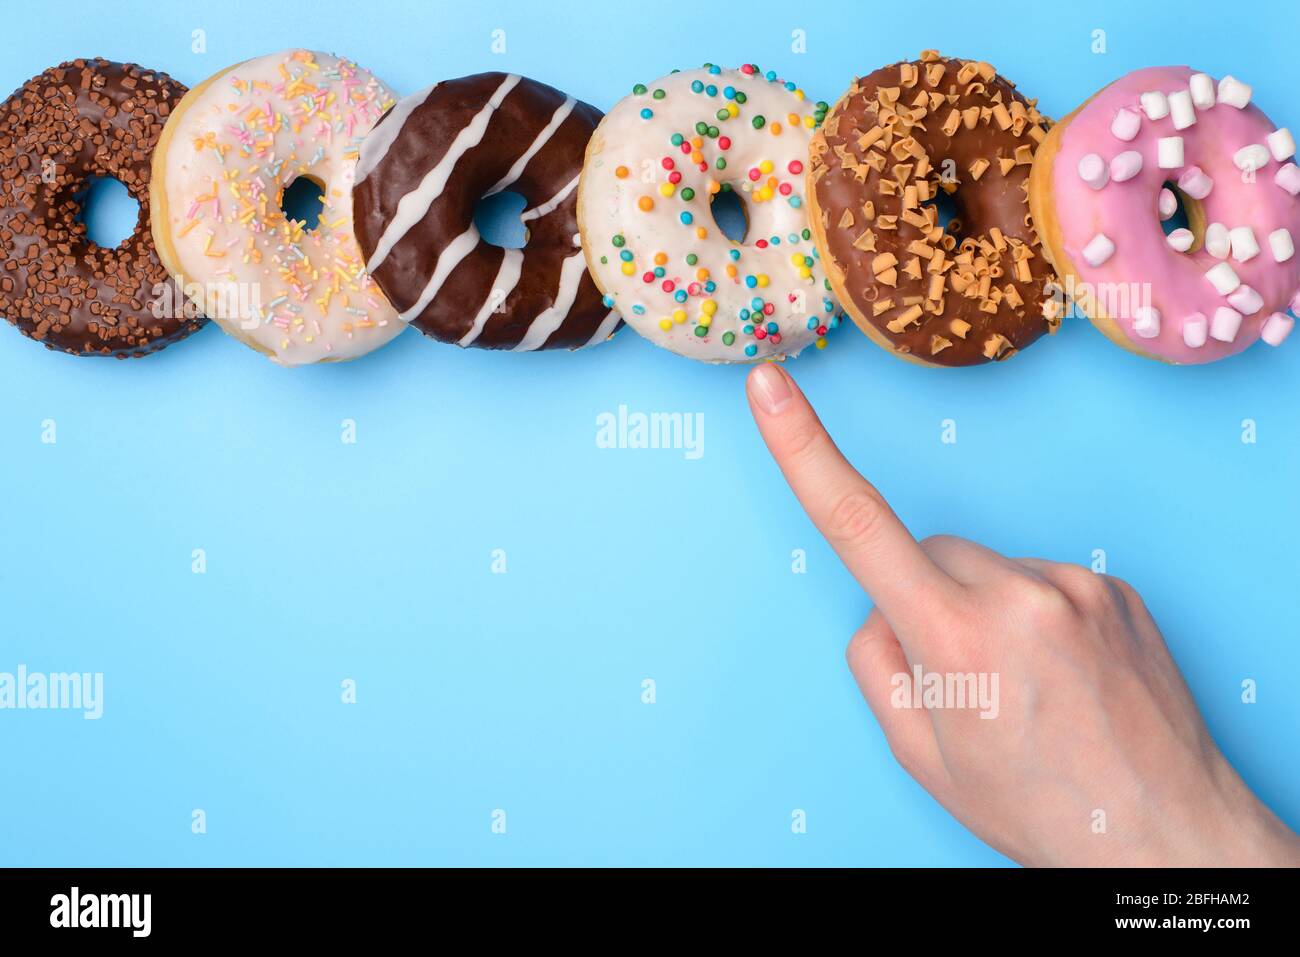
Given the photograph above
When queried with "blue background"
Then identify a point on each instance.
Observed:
(522, 691)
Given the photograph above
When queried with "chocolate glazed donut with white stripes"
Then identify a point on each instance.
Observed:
(423, 169)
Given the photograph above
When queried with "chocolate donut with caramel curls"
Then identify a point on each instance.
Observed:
(82, 119)
(976, 289)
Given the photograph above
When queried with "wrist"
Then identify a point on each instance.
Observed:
(1264, 840)
(1252, 835)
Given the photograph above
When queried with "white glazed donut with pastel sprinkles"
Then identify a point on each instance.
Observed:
(228, 152)
(1108, 174)
(652, 169)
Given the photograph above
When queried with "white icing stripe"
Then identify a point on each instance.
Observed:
(415, 205)
(605, 331)
(379, 140)
(543, 137)
(448, 259)
(571, 273)
(507, 276)
(539, 211)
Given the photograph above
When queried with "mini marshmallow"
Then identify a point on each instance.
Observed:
(1180, 240)
(1251, 157)
(1155, 105)
(1288, 177)
(1195, 182)
(1125, 166)
(1126, 124)
(1280, 242)
(1195, 329)
(1202, 90)
(1146, 322)
(1233, 92)
(1167, 204)
(1295, 302)
(1092, 170)
(1276, 328)
(1244, 244)
(1281, 144)
(1098, 250)
(1223, 278)
(1181, 109)
(1246, 301)
(1225, 324)
(1217, 243)
(1169, 152)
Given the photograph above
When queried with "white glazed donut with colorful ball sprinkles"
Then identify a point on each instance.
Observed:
(228, 152)
(652, 169)
(1098, 191)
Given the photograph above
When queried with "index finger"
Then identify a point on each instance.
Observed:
(874, 545)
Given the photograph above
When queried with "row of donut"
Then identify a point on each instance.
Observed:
(933, 204)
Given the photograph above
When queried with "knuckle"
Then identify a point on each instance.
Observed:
(1085, 590)
(856, 517)
(940, 541)
(940, 544)
(854, 650)
(1040, 602)
(1123, 589)
(865, 643)
(909, 759)
(1088, 589)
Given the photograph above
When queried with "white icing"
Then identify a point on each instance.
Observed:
(551, 204)
(606, 329)
(507, 277)
(449, 258)
(542, 138)
(380, 140)
(608, 207)
(571, 273)
(303, 296)
(415, 205)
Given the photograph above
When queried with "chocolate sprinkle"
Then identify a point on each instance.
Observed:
(81, 119)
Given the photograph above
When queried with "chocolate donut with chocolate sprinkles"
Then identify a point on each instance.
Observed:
(976, 289)
(424, 168)
(82, 119)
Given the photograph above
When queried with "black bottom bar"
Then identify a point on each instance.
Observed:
(211, 906)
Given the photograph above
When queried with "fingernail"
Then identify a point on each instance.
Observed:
(770, 388)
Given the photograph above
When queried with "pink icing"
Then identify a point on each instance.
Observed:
(1144, 271)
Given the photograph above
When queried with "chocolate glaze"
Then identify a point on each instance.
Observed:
(974, 292)
(81, 119)
(425, 138)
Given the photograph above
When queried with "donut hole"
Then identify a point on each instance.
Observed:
(949, 212)
(730, 214)
(303, 200)
(498, 222)
(108, 210)
(1183, 215)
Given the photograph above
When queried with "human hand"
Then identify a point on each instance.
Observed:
(1089, 721)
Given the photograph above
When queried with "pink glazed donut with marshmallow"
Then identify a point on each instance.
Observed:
(1099, 191)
